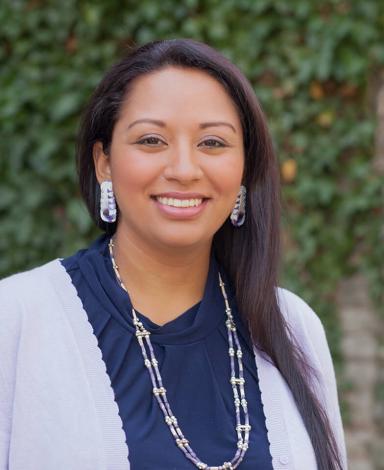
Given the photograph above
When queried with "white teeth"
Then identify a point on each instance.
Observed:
(168, 201)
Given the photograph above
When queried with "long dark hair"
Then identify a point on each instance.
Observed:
(250, 255)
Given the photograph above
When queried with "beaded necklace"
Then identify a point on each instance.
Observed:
(160, 393)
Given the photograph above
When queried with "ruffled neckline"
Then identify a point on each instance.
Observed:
(190, 326)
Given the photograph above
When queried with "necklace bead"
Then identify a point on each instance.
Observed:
(160, 392)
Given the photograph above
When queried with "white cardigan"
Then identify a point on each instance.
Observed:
(57, 407)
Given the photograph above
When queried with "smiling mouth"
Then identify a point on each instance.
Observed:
(174, 202)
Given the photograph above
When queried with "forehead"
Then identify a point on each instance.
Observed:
(179, 91)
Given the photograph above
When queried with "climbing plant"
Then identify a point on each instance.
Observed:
(313, 66)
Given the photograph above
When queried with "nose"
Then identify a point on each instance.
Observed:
(183, 164)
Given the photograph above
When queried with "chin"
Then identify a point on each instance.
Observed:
(184, 239)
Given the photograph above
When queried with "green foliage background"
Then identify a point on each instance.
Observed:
(312, 65)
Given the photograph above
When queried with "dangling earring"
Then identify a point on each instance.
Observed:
(238, 212)
(107, 203)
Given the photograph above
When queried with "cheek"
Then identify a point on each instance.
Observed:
(228, 177)
(132, 173)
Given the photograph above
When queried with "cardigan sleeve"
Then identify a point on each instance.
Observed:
(311, 337)
(10, 321)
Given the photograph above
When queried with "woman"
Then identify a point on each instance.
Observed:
(166, 344)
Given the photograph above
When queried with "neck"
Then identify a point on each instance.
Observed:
(162, 283)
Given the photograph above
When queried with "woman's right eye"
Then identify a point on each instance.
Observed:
(151, 141)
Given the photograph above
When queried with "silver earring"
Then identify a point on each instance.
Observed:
(107, 203)
(238, 212)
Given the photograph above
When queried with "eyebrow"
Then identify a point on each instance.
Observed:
(202, 125)
(151, 121)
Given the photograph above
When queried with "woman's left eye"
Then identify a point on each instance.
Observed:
(151, 141)
(213, 143)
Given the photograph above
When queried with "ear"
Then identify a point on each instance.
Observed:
(101, 162)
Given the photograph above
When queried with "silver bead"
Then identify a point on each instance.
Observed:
(171, 419)
(168, 420)
(230, 325)
(182, 442)
(141, 334)
(243, 427)
(239, 381)
(242, 445)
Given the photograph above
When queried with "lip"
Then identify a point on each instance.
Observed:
(181, 213)
(177, 195)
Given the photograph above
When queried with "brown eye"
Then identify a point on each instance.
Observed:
(213, 143)
(151, 141)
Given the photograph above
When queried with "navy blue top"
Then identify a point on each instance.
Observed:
(192, 351)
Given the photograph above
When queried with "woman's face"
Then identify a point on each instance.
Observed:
(176, 158)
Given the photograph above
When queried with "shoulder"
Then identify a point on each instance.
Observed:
(301, 319)
(31, 303)
(28, 287)
(22, 297)
(25, 281)
(293, 307)
(307, 332)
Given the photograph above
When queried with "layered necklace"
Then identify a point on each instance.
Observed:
(160, 393)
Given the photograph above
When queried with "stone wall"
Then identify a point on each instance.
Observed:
(363, 345)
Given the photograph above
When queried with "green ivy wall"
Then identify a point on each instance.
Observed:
(313, 65)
